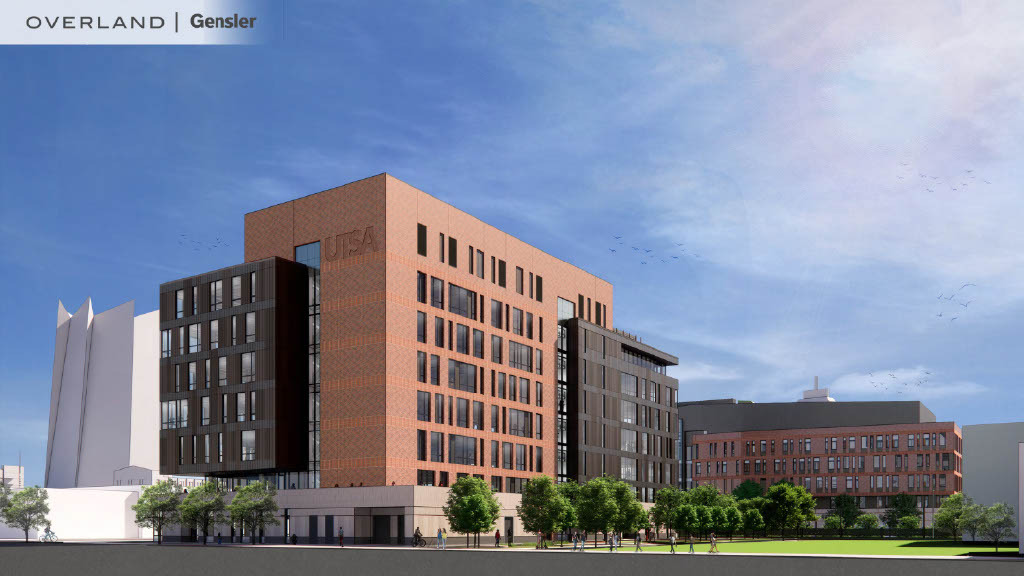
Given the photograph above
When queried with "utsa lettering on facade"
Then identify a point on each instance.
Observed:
(377, 336)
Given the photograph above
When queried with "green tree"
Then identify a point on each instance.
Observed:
(971, 519)
(997, 523)
(733, 520)
(630, 515)
(685, 519)
(542, 506)
(157, 507)
(752, 520)
(788, 506)
(747, 490)
(907, 526)
(705, 521)
(833, 523)
(867, 522)
(596, 508)
(203, 508)
(719, 520)
(947, 518)
(666, 501)
(254, 507)
(756, 503)
(27, 509)
(845, 510)
(708, 495)
(569, 490)
(900, 506)
(471, 507)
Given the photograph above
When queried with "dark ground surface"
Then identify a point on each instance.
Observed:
(177, 560)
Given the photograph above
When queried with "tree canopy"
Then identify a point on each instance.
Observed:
(543, 508)
(27, 509)
(787, 506)
(998, 522)
(747, 490)
(947, 518)
(901, 506)
(666, 501)
(203, 507)
(157, 507)
(845, 511)
(597, 506)
(254, 507)
(630, 515)
(471, 506)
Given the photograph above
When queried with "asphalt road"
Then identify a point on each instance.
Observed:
(174, 560)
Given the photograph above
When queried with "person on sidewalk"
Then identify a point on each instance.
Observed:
(637, 541)
(439, 541)
(341, 536)
(691, 543)
(672, 543)
(583, 541)
(714, 544)
(444, 539)
(574, 542)
(497, 538)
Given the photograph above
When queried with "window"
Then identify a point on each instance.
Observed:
(165, 343)
(436, 447)
(437, 292)
(216, 295)
(207, 373)
(479, 264)
(524, 390)
(539, 455)
(439, 408)
(519, 280)
(214, 334)
(250, 327)
(478, 415)
(478, 343)
(539, 429)
(517, 321)
(423, 406)
(461, 376)
(248, 445)
(252, 405)
(236, 290)
(462, 413)
(234, 330)
(240, 407)
(192, 375)
(220, 447)
(495, 455)
(439, 332)
(179, 303)
(520, 423)
(461, 301)
(308, 254)
(521, 457)
(181, 450)
(248, 367)
(421, 243)
(506, 455)
(435, 369)
(462, 339)
(540, 289)
(223, 408)
(453, 252)
(529, 325)
(494, 418)
(204, 411)
(501, 273)
(421, 287)
(501, 385)
(421, 327)
(421, 367)
(222, 371)
(496, 349)
(195, 335)
(461, 450)
(520, 356)
(421, 445)
(252, 287)
(539, 397)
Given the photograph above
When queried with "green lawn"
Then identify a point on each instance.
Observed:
(856, 547)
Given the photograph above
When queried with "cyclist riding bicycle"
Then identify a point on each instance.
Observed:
(417, 538)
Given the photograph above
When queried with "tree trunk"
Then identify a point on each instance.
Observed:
(26, 535)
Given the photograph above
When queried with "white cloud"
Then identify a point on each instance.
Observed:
(916, 383)
(702, 372)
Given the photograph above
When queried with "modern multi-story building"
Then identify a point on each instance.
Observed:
(869, 450)
(13, 477)
(377, 336)
(994, 467)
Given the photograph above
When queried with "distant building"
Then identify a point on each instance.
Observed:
(13, 477)
(104, 401)
(994, 468)
(869, 450)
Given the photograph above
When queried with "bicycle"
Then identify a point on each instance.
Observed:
(418, 541)
(48, 536)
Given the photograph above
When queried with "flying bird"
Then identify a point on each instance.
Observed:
(612, 249)
(966, 285)
(953, 318)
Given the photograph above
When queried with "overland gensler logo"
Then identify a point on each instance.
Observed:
(124, 22)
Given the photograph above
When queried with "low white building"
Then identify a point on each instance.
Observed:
(13, 477)
(994, 466)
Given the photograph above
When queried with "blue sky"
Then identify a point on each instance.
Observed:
(814, 155)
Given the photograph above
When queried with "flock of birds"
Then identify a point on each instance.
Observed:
(883, 384)
(185, 240)
(954, 298)
(649, 255)
(932, 182)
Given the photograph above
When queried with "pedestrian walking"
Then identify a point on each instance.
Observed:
(444, 539)
(439, 541)
(497, 538)
(218, 539)
(583, 542)
(672, 543)
(714, 544)
(341, 536)
(691, 543)
(637, 540)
